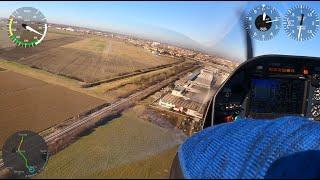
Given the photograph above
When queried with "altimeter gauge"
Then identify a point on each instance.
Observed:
(263, 22)
(301, 23)
(27, 27)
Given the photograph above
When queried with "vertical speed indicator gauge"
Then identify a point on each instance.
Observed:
(263, 22)
(27, 27)
(301, 23)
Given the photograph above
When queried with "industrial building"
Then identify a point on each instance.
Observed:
(191, 94)
(182, 105)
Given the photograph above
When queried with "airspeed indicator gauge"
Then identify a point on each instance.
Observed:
(263, 22)
(27, 27)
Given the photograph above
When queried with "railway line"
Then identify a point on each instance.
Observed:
(104, 111)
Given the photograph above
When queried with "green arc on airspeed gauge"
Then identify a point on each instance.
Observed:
(19, 42)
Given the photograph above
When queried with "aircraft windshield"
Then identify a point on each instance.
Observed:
(111, 89)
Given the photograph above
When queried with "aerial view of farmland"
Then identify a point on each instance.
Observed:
(74, 59)
(99, 103)
(42, 89)
(159, 90)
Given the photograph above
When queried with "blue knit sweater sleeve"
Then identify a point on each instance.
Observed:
(246, 148)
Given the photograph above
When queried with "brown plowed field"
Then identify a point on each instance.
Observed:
(87, 59)
(20, 53)
(31, 104)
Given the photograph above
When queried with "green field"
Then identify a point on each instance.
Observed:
(126, 143)
(157, 166)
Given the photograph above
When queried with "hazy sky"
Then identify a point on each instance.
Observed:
(214, 25)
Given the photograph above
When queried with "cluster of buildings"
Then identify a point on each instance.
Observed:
(190, 96)
(158, 48)
(163, 49)
(191, 93)
(78, 29)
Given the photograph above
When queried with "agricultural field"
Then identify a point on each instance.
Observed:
(127, 144)
(84, 58)
(4, 39)
(110, 91)
(124, 87)
(152, 167)
(31, 104)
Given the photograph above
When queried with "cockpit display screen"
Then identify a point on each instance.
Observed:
(273, 97)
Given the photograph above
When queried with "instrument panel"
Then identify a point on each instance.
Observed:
(300, 22)
(269, 87)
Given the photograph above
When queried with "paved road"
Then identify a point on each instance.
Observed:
(104, 111)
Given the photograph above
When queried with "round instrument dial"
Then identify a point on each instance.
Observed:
(316, 95)
(263, 22)
(27, 27)
(315, 110)
(301, 23)
(25, 153)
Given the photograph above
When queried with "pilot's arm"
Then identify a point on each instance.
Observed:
(287, 147)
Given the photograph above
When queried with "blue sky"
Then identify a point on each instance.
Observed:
(214, 25)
